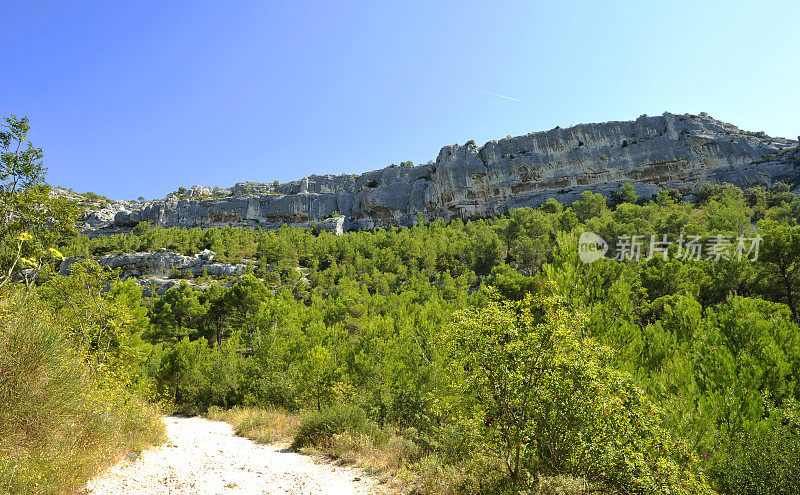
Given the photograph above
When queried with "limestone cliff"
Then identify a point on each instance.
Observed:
(652, 153)
(154, 269)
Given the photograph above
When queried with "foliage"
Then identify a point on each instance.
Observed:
(105, 316)
(31, 220)
(60, 421)
(546, 401)
(764, 458)
(626, 194)
(70, 387)
(707, 341)
(318, 426)
(356, 334)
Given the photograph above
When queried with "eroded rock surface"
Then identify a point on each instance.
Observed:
(154, 269)
(652, 153)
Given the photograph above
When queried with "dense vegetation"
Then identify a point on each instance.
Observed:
(710, 347)
(484, 355)
(67, 350)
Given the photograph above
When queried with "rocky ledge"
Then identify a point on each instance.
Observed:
(155, 269)
(467, 181)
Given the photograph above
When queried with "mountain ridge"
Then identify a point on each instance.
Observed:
(466, 181)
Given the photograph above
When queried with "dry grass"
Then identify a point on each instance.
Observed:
(407, 468)
(260, 425)
(561, 485)
(388, 461)
(358, 448)
(58, 426)
(398, 459)
(391, 462)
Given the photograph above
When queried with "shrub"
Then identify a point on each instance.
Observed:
(764, 458)
(59, 422)
(546, 401)
(142, 228)
(319, 426)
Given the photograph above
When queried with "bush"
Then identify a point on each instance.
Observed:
(142, 228)
(59, 422)
(319, 426)
(764, 459)
(545, 401)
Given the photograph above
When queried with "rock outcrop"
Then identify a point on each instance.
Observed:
(104, 217)
(161, 263)
(152, 271)
(652, 153)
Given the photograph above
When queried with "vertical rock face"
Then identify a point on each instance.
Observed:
(652, 153)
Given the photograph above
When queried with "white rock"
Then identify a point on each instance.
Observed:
(652, 153)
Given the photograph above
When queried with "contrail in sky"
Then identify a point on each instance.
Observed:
(500, 96)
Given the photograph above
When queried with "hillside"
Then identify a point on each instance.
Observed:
(389, 342)
(485, 355)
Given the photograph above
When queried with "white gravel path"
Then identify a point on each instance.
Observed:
(205, 457)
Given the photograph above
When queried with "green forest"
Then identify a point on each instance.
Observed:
(482, 356)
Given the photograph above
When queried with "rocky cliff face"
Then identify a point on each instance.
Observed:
(652, 153)
(159, 264)
(154, 269)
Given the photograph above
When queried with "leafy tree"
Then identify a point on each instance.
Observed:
(764, 457)
(729, 213)
(627, 194)
(245, 301)
(510, 283)
(546, 401)
(668, 197)
(105, 317)
(31, 220)
(319, 375)
(781, 257)
(780, 193)
(142, 228)
(552, 206)
(589, 206)
(177, 314)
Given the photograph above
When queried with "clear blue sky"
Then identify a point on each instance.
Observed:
(138, 98)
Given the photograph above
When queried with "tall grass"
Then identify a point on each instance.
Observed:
(260, 425)
(58, 424)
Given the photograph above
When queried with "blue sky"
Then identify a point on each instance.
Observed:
(139, 98)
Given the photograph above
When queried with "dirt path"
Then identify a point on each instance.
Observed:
(205, 457)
